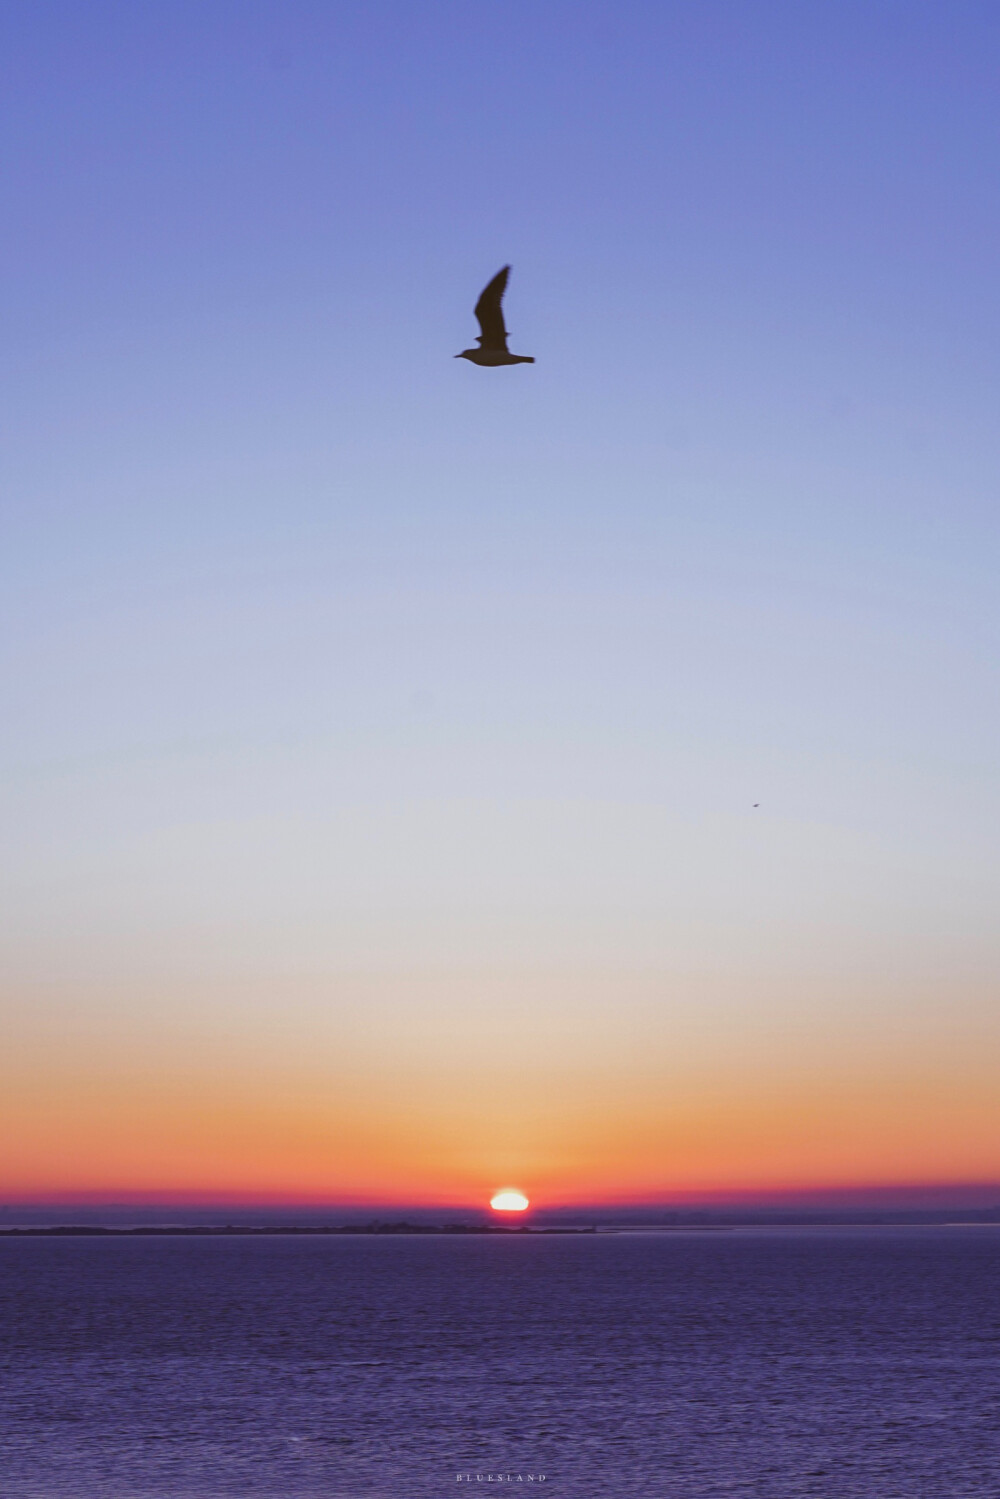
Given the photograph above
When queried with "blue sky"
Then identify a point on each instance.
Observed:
(332, 661)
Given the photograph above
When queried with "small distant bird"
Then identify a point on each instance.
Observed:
(493, 339)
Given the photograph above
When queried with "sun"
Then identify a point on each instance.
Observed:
(509, 1201)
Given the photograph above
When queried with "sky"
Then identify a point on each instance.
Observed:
(420, 779)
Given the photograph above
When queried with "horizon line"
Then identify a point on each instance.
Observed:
(887, 1194)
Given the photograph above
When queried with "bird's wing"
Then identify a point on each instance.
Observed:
(489, 313)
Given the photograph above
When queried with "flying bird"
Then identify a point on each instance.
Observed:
(492, 340)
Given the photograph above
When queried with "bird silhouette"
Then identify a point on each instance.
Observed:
(492, 340)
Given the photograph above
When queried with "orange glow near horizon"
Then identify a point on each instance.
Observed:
(218, 1141)
(305, 1106)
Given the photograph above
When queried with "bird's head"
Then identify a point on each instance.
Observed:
(467, 354)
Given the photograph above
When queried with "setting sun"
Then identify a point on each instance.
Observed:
(509, 1201)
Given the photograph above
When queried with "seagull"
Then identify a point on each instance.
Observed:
(493, 338)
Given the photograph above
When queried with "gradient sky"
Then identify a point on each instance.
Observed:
(381, 734)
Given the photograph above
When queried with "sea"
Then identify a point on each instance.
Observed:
(861, 1363)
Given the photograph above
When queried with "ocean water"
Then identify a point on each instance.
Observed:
(768, 1364)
